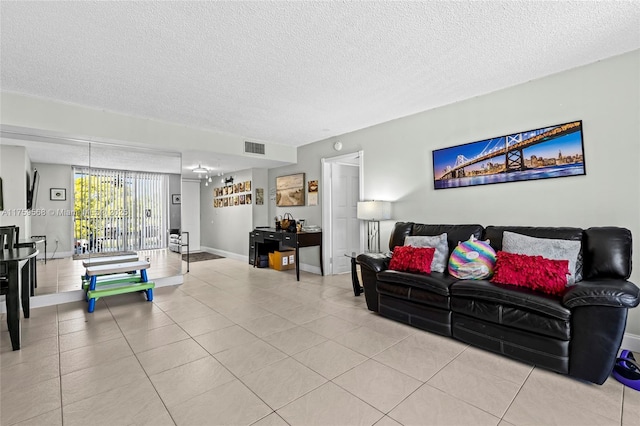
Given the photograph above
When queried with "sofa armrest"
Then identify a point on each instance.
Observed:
(614, 293)
(370, 265)
(376, 262)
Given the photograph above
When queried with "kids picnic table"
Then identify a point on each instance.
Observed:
(116, 278)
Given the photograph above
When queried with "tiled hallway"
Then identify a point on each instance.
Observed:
(235, 345)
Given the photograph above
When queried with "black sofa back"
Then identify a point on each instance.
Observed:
(605, 251)
(455, 233)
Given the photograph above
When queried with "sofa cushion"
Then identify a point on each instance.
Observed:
(455, 233)
(608, 252)
(419, 296)
(534, 272)
(549, 248)
(399, 233)
(495, 234)
(412, 259)
(439, 243)
(435, 282)
(472, 259)
(510, 295)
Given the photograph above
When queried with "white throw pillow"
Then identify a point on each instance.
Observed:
(545, 247)
(439, 242)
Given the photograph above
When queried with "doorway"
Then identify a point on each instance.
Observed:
(342, 180)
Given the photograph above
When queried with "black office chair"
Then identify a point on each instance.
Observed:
(8, 240)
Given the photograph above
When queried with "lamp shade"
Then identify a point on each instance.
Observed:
(374, 210)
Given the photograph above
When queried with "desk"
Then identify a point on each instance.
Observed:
(14, 261)
(270, 238)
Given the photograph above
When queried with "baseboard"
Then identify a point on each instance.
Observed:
(77, 295)
(227, 254)
(631, 342)
(54, 255)
(245, 258)
(310, 268)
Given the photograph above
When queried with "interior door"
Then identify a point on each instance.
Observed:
(345, 185)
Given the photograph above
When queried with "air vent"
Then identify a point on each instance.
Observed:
(253, 148)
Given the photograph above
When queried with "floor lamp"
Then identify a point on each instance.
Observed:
(373, 212)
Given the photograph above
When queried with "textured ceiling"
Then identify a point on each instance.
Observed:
(297, 72)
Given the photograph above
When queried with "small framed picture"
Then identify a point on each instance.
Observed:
(176, 199)
(58, 194)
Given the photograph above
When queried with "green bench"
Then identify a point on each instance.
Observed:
(111, 285)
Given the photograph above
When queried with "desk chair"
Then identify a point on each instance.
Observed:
(8, 240)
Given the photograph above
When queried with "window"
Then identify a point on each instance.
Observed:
(119, 210)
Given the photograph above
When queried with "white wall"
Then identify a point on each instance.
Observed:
(190, 212)
(14, 166)
(97, 124)
(309, 163)
(55, 223)
(226, 229)
(175, 187)
(398, 164)
(261, 212)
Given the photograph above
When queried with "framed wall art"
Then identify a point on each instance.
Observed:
(313, 192)
(58, 194)
(290, 190)
(176, 199)
(548, 152)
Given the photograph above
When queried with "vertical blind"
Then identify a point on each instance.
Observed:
(119, 210)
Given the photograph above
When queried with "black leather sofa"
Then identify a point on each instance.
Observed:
(577, 333)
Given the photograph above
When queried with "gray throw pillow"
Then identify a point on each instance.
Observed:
(439, 242)
(545, 247)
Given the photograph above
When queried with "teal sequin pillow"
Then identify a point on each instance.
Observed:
(472, 260)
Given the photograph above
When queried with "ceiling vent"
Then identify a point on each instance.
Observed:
(253, 148)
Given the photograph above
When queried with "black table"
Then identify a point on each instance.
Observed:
(269, 238)
(13, 261)
(357, 288)
(31, 242)
(41, 239)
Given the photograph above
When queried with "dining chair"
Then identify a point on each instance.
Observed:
(8, 240)
(9, 236)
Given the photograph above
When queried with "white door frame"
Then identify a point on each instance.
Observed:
(327, 226)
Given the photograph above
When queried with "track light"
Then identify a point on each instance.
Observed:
(200, 169)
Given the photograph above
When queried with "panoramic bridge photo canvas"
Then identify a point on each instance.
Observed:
(548, 152)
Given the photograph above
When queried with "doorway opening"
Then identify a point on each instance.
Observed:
(342, 231)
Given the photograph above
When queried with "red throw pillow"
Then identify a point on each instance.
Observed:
(535, 272)
(412, 259)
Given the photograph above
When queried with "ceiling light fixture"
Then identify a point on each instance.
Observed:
(200, 169)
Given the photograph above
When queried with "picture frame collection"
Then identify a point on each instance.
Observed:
(236, 194)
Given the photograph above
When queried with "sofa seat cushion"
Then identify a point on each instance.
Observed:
(430, 290)
(517, 307)
(434, 282)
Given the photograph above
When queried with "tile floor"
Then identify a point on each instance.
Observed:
(61, 274)
(240, 346)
